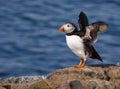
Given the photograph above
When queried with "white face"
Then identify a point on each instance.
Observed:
(68, 28)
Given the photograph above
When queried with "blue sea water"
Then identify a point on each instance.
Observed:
(30, 43)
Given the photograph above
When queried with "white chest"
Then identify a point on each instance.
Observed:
(75, 43)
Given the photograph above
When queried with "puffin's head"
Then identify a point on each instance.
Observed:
(68, 28)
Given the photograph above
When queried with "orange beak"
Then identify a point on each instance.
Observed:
(61, 29)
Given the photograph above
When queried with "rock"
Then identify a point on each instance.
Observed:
(2, 87)
(75, 85)
(114, 73)
(44, 84)
(24, 79)
(40, 85)
(92, 85)
(64, 86)
(6, 86)
(89, 77)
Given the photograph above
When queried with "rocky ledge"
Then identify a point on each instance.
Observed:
(89, 77)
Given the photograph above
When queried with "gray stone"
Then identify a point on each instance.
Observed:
(76, 85)
(92, 85)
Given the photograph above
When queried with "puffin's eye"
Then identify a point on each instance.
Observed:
(68, 25)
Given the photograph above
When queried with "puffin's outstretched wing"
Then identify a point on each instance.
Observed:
(83, 20)
(93, 29)
(90, 32)
(100, 26)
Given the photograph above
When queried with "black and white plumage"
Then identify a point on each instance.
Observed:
(80, 42)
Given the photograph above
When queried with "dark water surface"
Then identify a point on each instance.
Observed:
(30, 43)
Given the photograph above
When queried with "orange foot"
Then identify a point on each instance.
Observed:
(79, 66)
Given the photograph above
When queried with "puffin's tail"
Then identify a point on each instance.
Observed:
(95, 55)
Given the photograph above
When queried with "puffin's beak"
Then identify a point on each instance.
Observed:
(61, 29)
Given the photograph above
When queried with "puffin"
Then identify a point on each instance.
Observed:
(81, 41)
